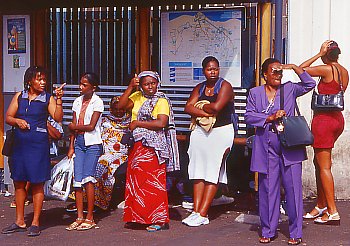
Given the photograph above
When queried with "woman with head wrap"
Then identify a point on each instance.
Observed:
(113, 127)
(155, 151)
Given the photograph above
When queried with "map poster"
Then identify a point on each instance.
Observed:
(16, 35)
(189, 36)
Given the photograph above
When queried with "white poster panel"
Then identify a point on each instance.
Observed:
(16, 51)
(187, 37)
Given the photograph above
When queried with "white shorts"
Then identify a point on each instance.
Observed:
(206, 152)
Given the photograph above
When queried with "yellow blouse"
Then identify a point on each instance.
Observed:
(162, 106)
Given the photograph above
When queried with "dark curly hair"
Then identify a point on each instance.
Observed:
(333, 52)
(209, 59)
(266, 64)
(31, 73)
(92, 78)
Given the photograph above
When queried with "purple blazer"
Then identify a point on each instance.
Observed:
(255, 115)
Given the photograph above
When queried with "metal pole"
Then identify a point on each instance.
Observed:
(278, 29)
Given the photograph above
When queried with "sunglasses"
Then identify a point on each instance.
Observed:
(277, 71)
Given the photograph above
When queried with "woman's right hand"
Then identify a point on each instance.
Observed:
(135, 82)
(22, 124)
(70, 153)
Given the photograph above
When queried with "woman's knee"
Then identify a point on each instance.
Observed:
(20, 185)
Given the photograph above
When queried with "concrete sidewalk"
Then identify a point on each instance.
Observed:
(222, 230)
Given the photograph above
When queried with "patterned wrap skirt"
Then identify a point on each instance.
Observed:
(146, 198)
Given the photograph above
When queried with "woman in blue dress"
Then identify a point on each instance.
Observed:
(28, 113)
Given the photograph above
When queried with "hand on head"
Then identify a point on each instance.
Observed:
(325, 46)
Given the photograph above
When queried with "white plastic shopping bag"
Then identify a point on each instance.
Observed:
(58, 187)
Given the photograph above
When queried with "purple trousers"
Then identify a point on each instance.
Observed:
(269, 192)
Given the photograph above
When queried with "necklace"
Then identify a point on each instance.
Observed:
(209, 90)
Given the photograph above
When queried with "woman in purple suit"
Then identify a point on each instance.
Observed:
(269, 158)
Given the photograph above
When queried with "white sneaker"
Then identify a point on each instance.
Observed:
(222, 200)
(198, 221)
(187, 205)
(190, 217)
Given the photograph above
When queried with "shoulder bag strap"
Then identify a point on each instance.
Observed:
(341, 84)
(282, 97)
(282, 100)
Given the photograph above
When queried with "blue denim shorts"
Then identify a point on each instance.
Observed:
(85, 161)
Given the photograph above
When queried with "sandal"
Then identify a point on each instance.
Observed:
(75, 224)
(71, 208)
(13, 228)
(33, 231)
(333, 219)
(267, 239)
(320, 211)
(264, 240)
(294, 241)
(155, 227)
(13, 203)
(86, 225)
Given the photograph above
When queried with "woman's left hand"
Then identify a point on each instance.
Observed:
(133, 125)
(298, 70)
(279, 114)
(71, 127)
(59, 91)
(324, 47)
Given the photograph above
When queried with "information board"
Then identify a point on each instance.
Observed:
(16, 51)
(187, 37)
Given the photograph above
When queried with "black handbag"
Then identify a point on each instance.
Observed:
(7, 149)
(128, 139)
(328, 102)
(296, 132)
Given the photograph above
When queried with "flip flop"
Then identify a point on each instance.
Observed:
(86, 225)
(155, 227)
(33, 231)
(75, 224)
(13, 228)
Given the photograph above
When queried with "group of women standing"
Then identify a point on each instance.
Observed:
(155, 151)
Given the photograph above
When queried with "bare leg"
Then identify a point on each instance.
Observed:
(321, 198)
(21, 194)
(323, 157)
(38, 198)
(208, 196)
(27, 189)
(209, 191)
(90, 194)
(79, 201)
(198, 191)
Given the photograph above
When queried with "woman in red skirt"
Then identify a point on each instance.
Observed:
(154, 153)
